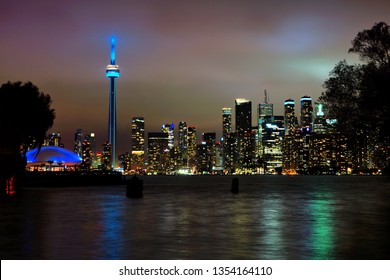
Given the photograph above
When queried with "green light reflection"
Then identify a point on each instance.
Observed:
(321, 239)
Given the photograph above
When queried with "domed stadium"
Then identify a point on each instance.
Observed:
(52, 157)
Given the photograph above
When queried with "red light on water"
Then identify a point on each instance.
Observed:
(10, 186)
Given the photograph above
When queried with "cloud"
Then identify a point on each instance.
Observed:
(179, 60)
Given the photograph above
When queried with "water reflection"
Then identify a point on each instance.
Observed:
(240, 223)
(111, 217)
(272, 228)
(321, 223)
(199, 218)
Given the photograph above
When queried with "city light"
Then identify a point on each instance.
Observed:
(289, 102)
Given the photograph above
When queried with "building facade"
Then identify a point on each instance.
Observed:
(78, 142)
(182, 145)
(137, 144)
(158, 153)
(244, 132)
(191, 147)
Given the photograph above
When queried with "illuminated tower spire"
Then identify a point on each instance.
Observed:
(112, 51)
(112, 72)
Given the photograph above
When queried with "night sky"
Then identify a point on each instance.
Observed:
(180, 60)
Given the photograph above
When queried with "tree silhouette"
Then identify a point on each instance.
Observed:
(359, 96)
(25, 117)
(373, 45)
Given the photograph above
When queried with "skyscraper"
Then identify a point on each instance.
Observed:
(87, 155)
(91, 138)
(319, 124)
(54, 139)
(226, 122)
(292, 138)
(328, 147)
(158, 152)
(112, 72)
(169, 128)
(243, 116)
(289, 116)
(191, 146)
(306, 113)
(244, 131)
(230, 153)
(265, 113)
(226, 130)
(137, 143)
(203, 159)
(78, 142)
(265, 110)
(209, 139)
(106, 156)
(182, 148)
(306, 127)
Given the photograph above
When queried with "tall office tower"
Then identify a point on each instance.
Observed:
(78, 142)
(203, 165)
(292, 149)
(265, 110)
(230, 153)
(319, 124)
(209, 139)
(125, 159)
(328, 154)
(292, 146)
(96, 161)
(191, 147)
(279, 120)
(272, 147)
(306, 113)
(106, 156)
(158, 152)
(320, 144)
(182, 148)
(244, 131)
(54, 139)
(87, 155)
(137, 143)
(243, 116)
(91, 139)
(328, 148)
(306, 125)
(169, 128)
(289, 116)
(112, 72)
(265, 114)
(226, 129)
(218, 167)
(226, 122)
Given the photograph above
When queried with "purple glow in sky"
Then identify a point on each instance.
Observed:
(179, 60)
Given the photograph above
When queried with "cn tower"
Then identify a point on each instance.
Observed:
(112, 72)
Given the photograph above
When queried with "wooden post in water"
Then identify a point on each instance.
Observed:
(235, 185)
(135, 187)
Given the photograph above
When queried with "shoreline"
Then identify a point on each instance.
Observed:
(99, 178)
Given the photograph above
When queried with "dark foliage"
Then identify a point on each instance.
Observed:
(359, 95)
(25, 117)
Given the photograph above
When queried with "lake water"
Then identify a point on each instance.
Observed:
(197, 217)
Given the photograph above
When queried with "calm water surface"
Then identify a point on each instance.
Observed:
(193, 217)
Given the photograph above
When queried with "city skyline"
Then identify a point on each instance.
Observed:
(179, 61)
